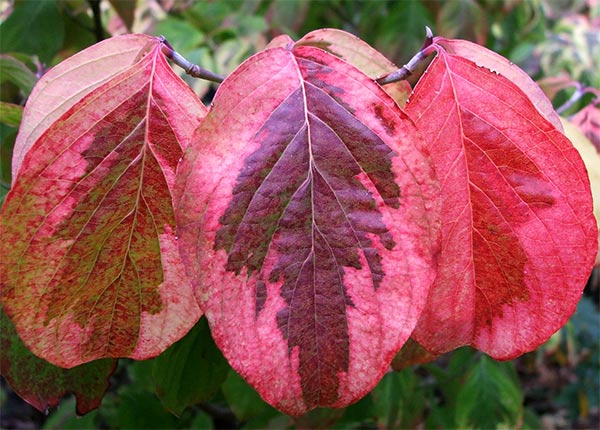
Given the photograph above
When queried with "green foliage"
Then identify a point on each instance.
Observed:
(7, 141)
(191, 371)
(42, 24)
(17, 73)
(490, 396)
(575, 347)
(399, 400)
(245, 403)
(218, 35)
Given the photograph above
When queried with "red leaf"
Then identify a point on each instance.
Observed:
(519, 236)
(498, 64)
(90, 266)
(307, 217)
(43, 385)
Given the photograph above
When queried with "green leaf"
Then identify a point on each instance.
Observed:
(10, 114)
(490, 396)
(358, 415)
(408, 17)
(202, 421)
(398, 400)
(207, 15)
(7, 142)
(135, 408)
(319, 418)
(141, 373)
(34, 27)
(180, 33)
(16, 72)
(190, 371)
(463, 19)
(242, 399)
(65, 418)
(42, 384)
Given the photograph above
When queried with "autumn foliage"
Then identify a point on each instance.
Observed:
(318, 219)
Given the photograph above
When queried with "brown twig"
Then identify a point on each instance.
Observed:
(409, 68)
(191, 69)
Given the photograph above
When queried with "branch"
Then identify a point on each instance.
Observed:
(409, 68)
(98, 30)
(191, 69)
(580, 91)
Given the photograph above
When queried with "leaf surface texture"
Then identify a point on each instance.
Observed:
(518, 233)
(90, 266)
(307, 218)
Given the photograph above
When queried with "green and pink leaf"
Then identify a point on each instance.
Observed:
(43, 385)
(90, 266)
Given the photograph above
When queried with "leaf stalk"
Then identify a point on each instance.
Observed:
(190, 68)
(408, 69)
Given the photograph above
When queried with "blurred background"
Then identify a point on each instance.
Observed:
(557, 42)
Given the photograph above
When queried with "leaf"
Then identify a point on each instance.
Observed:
(190, 371)
(464, 19)
(68, 82)
(360, 54)
(64, 418)
(307, 219)
(519, 236)
(15, 71)
(320, 418)
(591, 158)
(399, 29)
(398, 400)
(411, 353)
(43, 385)
(135, 408)
(588, 122)
(125, 10)
(33, 27)
(498, 64)
(490, 396)
(7, 141)
(10, 114)
(90, 266)
(245, 403)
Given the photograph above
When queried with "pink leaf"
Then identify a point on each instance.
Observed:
(518, 234)
(68, 82)
(90, 266)
(307, 217)
(588, 122)
(360, 54)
